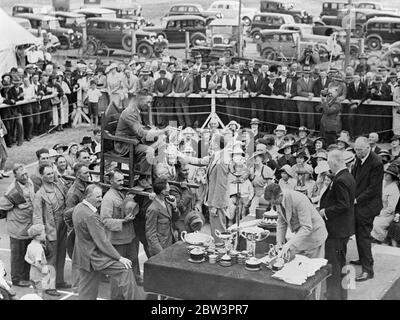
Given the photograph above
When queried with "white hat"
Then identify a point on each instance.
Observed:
(188, 130)
(53, 153)
(321, 167)
(348, 156)
(110, 67)
(288, 169)
(280, 127)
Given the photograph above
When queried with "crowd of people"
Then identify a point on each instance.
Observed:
(325, 188)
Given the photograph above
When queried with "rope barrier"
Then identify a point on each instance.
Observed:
(27, 115)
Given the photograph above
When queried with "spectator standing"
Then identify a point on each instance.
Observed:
(94, 95)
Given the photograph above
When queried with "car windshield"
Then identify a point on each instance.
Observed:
(77, 21)
(129, 26)
(223, 29)
(51, 24)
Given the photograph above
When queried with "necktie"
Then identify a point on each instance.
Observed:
(288, 87)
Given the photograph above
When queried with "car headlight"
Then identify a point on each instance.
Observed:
(226, 41)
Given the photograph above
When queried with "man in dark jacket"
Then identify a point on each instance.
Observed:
(356, 90)
(368, 173)
(256, 87)
(14, 95)
(321, 84)
(162, 88)
(337, 207)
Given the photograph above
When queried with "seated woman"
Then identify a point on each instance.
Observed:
(160, 216)
(390, 197)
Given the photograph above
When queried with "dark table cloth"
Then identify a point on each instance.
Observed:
(171, 274)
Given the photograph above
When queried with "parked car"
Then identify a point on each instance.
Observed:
(71, 20)
(230, 9)
(306, 32)
(285, 8)
(31, 8)
(97, 13)
(105, 33)
(369, 5)
(279, 45)
(332, 8)
(174, 28)
(263, 21)
(67, 37)
(325, 30)
(192, 9)
(222, 40)
(381, 30)
(132, 12)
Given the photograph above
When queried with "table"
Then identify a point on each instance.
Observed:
(170, 274)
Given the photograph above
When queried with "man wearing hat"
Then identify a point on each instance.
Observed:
(363, 66)
(162, 88)
(182, 87)
(146, 82)
(231, 85)
(15, 94)
(304, 141)
(256, 87)
(254, 125)
(306, 109)
(198, 64)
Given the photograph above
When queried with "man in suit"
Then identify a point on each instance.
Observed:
(321, 84)
(288, 106)
(95, 254)
(256, 87)
(368, 173)
(182, 87)
(273, 86)
(201, 84)
(162, 88)
(356, 90)
(337, 208)
(373, 139)
(305, 108)
(231, 85)
(297, 212)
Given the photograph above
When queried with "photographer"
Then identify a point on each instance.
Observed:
(309, 57)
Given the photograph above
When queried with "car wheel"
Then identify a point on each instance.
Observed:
(246, 21)
(256, 35)
(196, 38)
(144, 50)
(91, 47)
(270, 54)
(127, 42)
(162, 35)
(64, 43)
(374, 43)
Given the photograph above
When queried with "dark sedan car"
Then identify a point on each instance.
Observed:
(187, 9)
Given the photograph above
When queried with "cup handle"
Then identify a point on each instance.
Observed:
(183, 236)
(217, 233)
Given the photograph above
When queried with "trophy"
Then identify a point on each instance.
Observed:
(254, 235)
(227, 238)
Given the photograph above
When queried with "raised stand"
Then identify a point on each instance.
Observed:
(78, 116)
(213, 113)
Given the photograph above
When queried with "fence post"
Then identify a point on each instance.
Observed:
(133, 36)
(187, 43)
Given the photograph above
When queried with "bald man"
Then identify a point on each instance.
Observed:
(368, 173)
(373, 139)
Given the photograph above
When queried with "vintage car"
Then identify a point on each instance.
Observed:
(230, 10)
(68, 38)
(369, 5)
(222, 41)
(306, 32)
(263, 21)
(192, 9)
(96, 12)
(71, 20)
(285, 8)
(381, 30)
(105, 33)
(31, 8)
(132, 12)
(332, 8)
(174, 28)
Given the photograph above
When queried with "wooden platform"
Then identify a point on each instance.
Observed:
(386, 283)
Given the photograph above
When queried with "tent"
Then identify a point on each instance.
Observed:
(12, 35)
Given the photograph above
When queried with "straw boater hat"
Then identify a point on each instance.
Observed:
(233, 122)
(321, 167)
(286, 168)
(301, 153)
(341, 139)
(254, 121)
(304, 129)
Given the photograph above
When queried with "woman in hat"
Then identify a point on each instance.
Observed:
(301, 168)
(286, 182)
(71, 153)
(114, 85)
(321, 171)
(390, 198)
(280, 133)
(304, 141)
(394, 150)
(287, 156)
(64, 108)
(56, 102)
(386, 158)
(260, 176)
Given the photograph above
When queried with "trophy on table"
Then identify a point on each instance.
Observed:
(254, 235)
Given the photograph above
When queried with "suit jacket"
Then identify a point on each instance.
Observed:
(330, 120)
(338, 202)
(292, 88)
(304, 221)
(163, 86)
(318, 87)
(92, 248)
(368, 178)
(303, 88)
(180, 86)
(276, 89)
(258, 87)
(159, 226)
(383, 92)
(197, 84)
(360, 94)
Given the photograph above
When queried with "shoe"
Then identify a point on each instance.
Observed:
(364, 276)
(22, 283)
(139, 280)
(356, 262)
(53, 292)
(63, 285)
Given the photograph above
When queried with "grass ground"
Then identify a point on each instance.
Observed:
(26, 153)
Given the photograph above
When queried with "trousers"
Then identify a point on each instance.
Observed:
(130, 252)
(122, 281)
(335, 253)
(19, 267)
(363, 240)
(306, 114)
(57, 251)
(182, 106)
(218, 222)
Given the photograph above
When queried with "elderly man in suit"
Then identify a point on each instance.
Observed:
(162, 88)
(182, 87)
(16, 205)
(130, 126)
(337, 208)
(95, 254)
(306, 108)
(356, 90)
(297, 212)
(256, 86)
(288, 106)
(216, 193)
(368, 173)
